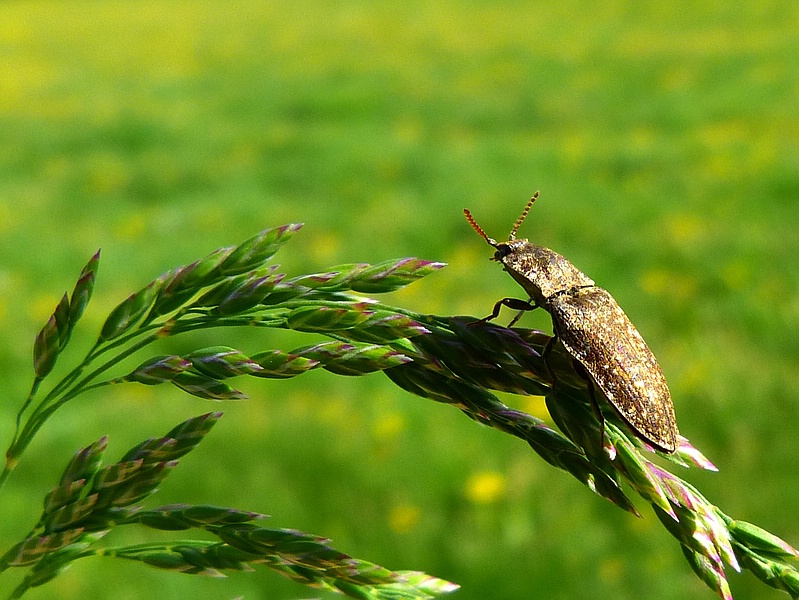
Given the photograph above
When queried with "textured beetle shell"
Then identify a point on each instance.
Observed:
(595, 331)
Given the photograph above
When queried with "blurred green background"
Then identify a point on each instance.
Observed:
(663, 138)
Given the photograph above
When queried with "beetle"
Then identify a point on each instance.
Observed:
(604, 344)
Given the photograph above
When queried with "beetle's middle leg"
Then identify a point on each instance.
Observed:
(594, 403)
(584, 375)
(545, 355)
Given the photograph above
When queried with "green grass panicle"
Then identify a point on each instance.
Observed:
(460, 361)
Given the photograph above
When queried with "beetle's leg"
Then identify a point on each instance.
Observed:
(514, 303)
(523, 307)
(597, 410)
(584, 375)
(545, 355)
(594, 404)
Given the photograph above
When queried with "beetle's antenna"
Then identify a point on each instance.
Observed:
(477, 228)
(520, 220)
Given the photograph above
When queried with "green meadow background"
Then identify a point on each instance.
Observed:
(664, 138)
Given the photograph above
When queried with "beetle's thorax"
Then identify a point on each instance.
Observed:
(542, 272)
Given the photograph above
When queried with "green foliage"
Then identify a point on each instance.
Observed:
(663, 139)
(452, 360)
(90, 500)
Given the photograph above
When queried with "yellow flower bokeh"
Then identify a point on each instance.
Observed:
(486, 487)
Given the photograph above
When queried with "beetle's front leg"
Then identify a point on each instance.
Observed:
(522, 306)
(514, 303)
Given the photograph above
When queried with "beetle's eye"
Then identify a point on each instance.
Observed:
(502, 252)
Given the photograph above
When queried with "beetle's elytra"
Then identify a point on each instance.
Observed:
(594, 330)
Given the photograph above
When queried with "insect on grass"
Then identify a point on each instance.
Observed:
(605, 345)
